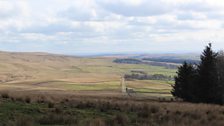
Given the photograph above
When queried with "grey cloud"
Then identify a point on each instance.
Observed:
(196, 6)
(10, 13)
(183, 16)
(76, 14)
(215, 15)
(161, 26)
(48, 29)
(173, 27)
(148, 8)
(186, 16)
(154, 8)
(64, 32)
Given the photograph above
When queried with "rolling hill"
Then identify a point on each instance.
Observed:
(47, 72)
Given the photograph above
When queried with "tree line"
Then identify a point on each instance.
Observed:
(202, 82)
(128, 61)
(136, 76)
(139, 61)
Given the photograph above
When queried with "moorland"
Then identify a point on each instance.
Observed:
(48, 89)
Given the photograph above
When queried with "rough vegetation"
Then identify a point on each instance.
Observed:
(95, 111)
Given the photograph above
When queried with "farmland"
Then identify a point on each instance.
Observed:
(50, 72)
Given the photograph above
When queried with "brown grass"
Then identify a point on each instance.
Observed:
(126, 111)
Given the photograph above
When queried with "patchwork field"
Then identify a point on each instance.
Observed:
(95, 75)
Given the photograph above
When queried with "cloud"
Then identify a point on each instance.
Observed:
(191, 16)
(93, 26)
(136, 7)
(198, 6)
(78, 14)
(6, 10)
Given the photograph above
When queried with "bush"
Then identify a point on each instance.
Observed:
(97, 122)
(19, 99)
(57, 119)
(120, 119)
(58, 110)
(5, 95)
(27, 99)
(41, 99)
(154, 109)
(24, 121)
(50, 105)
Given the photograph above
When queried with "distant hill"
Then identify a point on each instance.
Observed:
(188, 56)
(26, 66)
(15, 66)
(172, 60)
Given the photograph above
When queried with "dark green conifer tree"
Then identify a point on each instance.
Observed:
(183, 87)
(206, 87)
(220, 69)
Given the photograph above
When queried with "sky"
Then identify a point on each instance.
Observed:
(111, 26)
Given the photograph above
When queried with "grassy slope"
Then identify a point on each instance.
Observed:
(41, 71)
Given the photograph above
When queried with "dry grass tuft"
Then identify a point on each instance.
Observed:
(119, 111)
